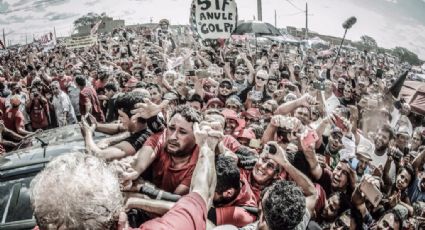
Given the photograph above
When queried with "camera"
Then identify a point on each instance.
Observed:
(270, 149)
(396, 154)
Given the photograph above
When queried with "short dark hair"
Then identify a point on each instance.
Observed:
(228, 175)
(344, 202)
(273, 78)
(127, 102)
(196, 98)
(111, 87)
(388, 129)
(80, 80)
(284, 205)
(189, 113)
(409, 169)
(151, 85)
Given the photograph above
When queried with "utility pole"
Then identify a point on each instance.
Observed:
(259, 10)
(306, 20)
(4, 39)
(26, 39)
(54, 32)
(275, 19)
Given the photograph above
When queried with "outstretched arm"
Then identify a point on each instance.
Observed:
(300, 179)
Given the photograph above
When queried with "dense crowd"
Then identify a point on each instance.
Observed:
(228, 135)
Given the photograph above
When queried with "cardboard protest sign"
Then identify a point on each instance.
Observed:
(214, 19)
(80, 42)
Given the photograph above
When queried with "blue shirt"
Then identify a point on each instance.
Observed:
(415, 193)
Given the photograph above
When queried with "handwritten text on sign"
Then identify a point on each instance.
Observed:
(216, 18)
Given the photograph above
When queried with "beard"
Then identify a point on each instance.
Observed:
(224, 200)
(180, 152)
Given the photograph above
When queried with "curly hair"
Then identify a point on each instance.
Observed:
(188, 113)
(76, 191)
(228, 175)
(284, 205)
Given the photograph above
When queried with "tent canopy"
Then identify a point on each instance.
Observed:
(413, 93)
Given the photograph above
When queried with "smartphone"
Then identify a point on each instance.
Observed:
(257, 96)
(255, 143)
(310, 138)
(190, 73)
(371, 192)
(379, 73)
(319, 85)
(202, 74)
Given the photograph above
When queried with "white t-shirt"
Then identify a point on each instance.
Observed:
(381, 160)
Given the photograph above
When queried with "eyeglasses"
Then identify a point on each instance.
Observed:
(260, 78)
(265, 110)
(226, 86)
(252, 120)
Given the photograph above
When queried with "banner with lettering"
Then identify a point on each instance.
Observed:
(80, 42)
(214, 19)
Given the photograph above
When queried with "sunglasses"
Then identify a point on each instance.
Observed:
(240, 72)
(260, 78)
(265, 110)
(226, 86)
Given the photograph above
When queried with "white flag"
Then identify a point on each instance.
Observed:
(95, 28)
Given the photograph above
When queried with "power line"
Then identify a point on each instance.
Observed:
(296, 7)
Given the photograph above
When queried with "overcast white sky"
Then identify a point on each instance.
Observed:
(391, 22)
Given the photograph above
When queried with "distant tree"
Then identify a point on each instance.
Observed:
(89, 19)
(406, 55)
(368, 43)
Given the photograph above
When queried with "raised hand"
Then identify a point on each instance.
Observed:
(280, 155)
(146, 109)
(205, 135)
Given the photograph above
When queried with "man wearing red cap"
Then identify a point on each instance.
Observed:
(14, 118)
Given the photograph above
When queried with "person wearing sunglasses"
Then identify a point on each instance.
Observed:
(257, 91)
(225, 90)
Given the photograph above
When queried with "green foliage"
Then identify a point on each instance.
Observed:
(406, 55)
(368, 43)
(89, 19)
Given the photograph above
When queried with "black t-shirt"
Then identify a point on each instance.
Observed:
(138, 139)
(155, 124)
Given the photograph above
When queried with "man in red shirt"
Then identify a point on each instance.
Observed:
(232, 193)
(171, 154)
(89, 103)
(13, 118)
